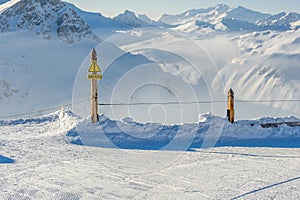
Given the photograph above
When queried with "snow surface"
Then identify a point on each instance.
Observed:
(39, 161)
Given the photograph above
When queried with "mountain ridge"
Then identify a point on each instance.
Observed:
(90, 25)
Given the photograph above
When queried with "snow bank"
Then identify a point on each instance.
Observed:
(209, 132)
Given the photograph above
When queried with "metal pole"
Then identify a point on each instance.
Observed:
(94, 77)
(94, 100)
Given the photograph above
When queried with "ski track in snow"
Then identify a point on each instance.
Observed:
(46, 166)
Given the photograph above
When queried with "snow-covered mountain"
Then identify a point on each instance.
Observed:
(212, 15)
(46, 18)
(281, 21)
(194, 53)
(222, 17)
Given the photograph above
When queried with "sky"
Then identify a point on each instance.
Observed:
(155, 8)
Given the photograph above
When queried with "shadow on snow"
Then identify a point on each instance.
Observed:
(266, 187)
(5, 160)
(163, 137)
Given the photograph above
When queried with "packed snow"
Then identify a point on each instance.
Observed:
(41, 158)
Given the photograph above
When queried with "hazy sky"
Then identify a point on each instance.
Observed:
(155, 8)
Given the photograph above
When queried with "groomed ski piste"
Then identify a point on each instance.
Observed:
(68, 157)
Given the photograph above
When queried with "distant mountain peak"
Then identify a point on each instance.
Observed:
(129, 12)
(221, 17)
(133, 20)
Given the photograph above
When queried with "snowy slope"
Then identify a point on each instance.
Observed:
(37, 162)
(37, 73)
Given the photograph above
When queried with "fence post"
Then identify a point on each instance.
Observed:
(230, 109)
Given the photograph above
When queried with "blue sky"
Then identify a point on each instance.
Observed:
(155, 8)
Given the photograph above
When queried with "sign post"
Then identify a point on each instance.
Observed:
(94, 77)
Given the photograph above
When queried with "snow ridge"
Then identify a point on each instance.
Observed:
(129, 134)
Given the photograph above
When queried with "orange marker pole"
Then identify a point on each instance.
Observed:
(230, 109)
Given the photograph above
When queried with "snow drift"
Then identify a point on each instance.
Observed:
(210, 131)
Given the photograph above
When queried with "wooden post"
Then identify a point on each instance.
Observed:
(94, 77)
(230, 109)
